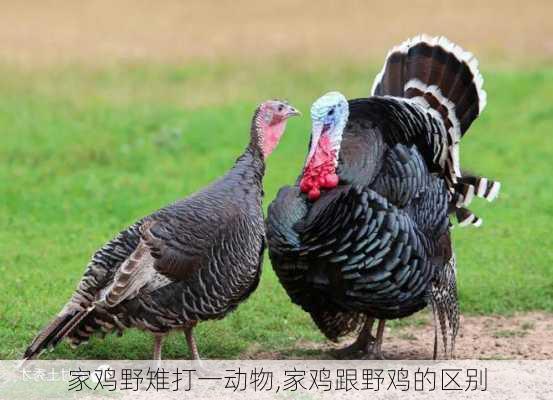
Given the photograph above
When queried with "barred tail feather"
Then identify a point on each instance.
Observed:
(465, 217)
(483, 187)
(465, 193)
(469, 187)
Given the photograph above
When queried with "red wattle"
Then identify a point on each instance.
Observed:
(314, 194)
(305, 185)
(320, 172)
(331, 181)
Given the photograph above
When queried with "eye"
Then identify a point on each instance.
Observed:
(331, 112)
(280, 107)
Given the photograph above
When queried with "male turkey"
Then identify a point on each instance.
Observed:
(365, 233)
(190, 261)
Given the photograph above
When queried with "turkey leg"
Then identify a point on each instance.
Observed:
(377, 348)
(192, 347)
(158, 344)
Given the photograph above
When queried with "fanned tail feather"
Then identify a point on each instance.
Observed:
(444, 79)
(438, 72)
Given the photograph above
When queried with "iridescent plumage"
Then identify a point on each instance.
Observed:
(377, 244)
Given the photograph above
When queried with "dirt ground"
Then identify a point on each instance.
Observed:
(526, 336)
(101, 31)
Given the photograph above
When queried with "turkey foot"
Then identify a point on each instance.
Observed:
(363, 344)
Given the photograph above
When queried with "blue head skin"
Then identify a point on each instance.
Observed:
(329, 115)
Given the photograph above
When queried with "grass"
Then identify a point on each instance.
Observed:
(506, 333)
(84, 152)
(528, 326)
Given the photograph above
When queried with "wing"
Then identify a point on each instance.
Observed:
(135, 273)
(401, 121)
(180, 236)
(403, 177)
(405, 181)
(228, 272)
(173, 242)
(104, 264)
(175, 253)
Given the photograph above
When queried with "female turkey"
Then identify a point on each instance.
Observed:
(191, 261)
(365, 233)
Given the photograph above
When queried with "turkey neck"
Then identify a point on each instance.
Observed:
(249, 168)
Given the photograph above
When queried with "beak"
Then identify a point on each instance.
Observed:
(292, 112)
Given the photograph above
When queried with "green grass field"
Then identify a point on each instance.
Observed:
(85, 152)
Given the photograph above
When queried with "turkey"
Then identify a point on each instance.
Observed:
(190, 261)
(364, 234)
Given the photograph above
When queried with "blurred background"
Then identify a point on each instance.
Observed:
(111, 109)
(106, 32)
